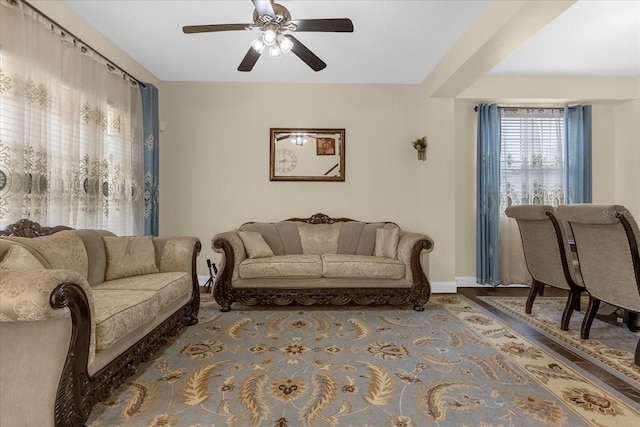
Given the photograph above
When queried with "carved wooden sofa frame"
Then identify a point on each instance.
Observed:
(78, 391)
(226, 294)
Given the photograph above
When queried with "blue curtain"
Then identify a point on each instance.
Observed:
(488, 194)
(151, 132)
(578, 153)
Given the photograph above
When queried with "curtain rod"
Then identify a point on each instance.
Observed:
(110, 64)
(529, 107)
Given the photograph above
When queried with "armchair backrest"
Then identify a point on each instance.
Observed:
(546, 246)
(606, 238)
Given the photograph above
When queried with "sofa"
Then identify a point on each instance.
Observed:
(322, 260)
(80, 310)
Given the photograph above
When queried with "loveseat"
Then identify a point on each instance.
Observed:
(321, 260)
(80, 310)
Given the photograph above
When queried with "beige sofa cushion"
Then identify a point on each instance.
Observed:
(318, 239)
(129, 256)
(63, 250)
(298, 266)
(119, 312)
(94, 245)
(282, 237)
(386, 242)
(170, 287)
(123, 305)
(359, 238)
(254, 244)
(19, 258)
(361, 267)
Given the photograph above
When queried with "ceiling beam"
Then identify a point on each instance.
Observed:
(501, 28)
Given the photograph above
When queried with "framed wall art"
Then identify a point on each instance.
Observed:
(307, 154)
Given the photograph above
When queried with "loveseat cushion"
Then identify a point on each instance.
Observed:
(360, 267)
(386, 242)
(282, 237)
(96, 253)
(20, 258)
(359, 238)
(318, 239)
(63, 250)
(254, 244)
(297, 266)
(119, 312)
(123, 305)
(169, 286)
(129, 256)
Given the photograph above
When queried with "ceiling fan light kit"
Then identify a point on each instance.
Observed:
(274, 20)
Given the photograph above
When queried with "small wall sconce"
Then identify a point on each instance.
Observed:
(420, 145)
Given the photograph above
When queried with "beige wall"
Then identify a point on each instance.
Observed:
(465, 188)
(215, 159)
(626, 167)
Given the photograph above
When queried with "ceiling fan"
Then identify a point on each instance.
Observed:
(274, 20)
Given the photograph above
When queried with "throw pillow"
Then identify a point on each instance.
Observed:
(19, 258)
(386, 242)
(255, 244)
(129, 256)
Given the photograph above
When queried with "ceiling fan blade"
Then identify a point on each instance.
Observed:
(264, 7)
(338, 25)
(305, 54)
(190, 29)
(249, 60)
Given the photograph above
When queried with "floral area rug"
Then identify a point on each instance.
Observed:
(455, 364)
(612, 346)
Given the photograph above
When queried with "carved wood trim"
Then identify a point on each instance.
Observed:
(72, 405)
(77, 390)
(225, 294)
(27, 228)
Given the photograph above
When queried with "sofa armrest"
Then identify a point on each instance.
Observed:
(38, 295)
(230, 245)
(411, 246)
(176, 253)
(26, 295)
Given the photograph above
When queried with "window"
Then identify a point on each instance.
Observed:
(532, 167)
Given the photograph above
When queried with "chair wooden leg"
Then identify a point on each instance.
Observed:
(637, 358)
(535, 289)
(592, 310)
(578, 297)
(630, 319)
(572, 300)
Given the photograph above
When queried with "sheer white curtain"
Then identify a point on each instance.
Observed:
(531, 173)
(70, 130)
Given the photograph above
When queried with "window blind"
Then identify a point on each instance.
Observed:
(532, 156)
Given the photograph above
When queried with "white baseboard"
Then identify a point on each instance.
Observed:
(443, 288)
(466, 282)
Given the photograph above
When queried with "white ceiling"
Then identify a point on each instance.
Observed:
(394, 42)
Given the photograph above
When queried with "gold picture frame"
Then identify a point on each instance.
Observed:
(307, 154)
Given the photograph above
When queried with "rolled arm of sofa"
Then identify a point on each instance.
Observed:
(230, 245)
(40, 295)
(177, 253)
(28, 295)
(411, 246)
(55, 310)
